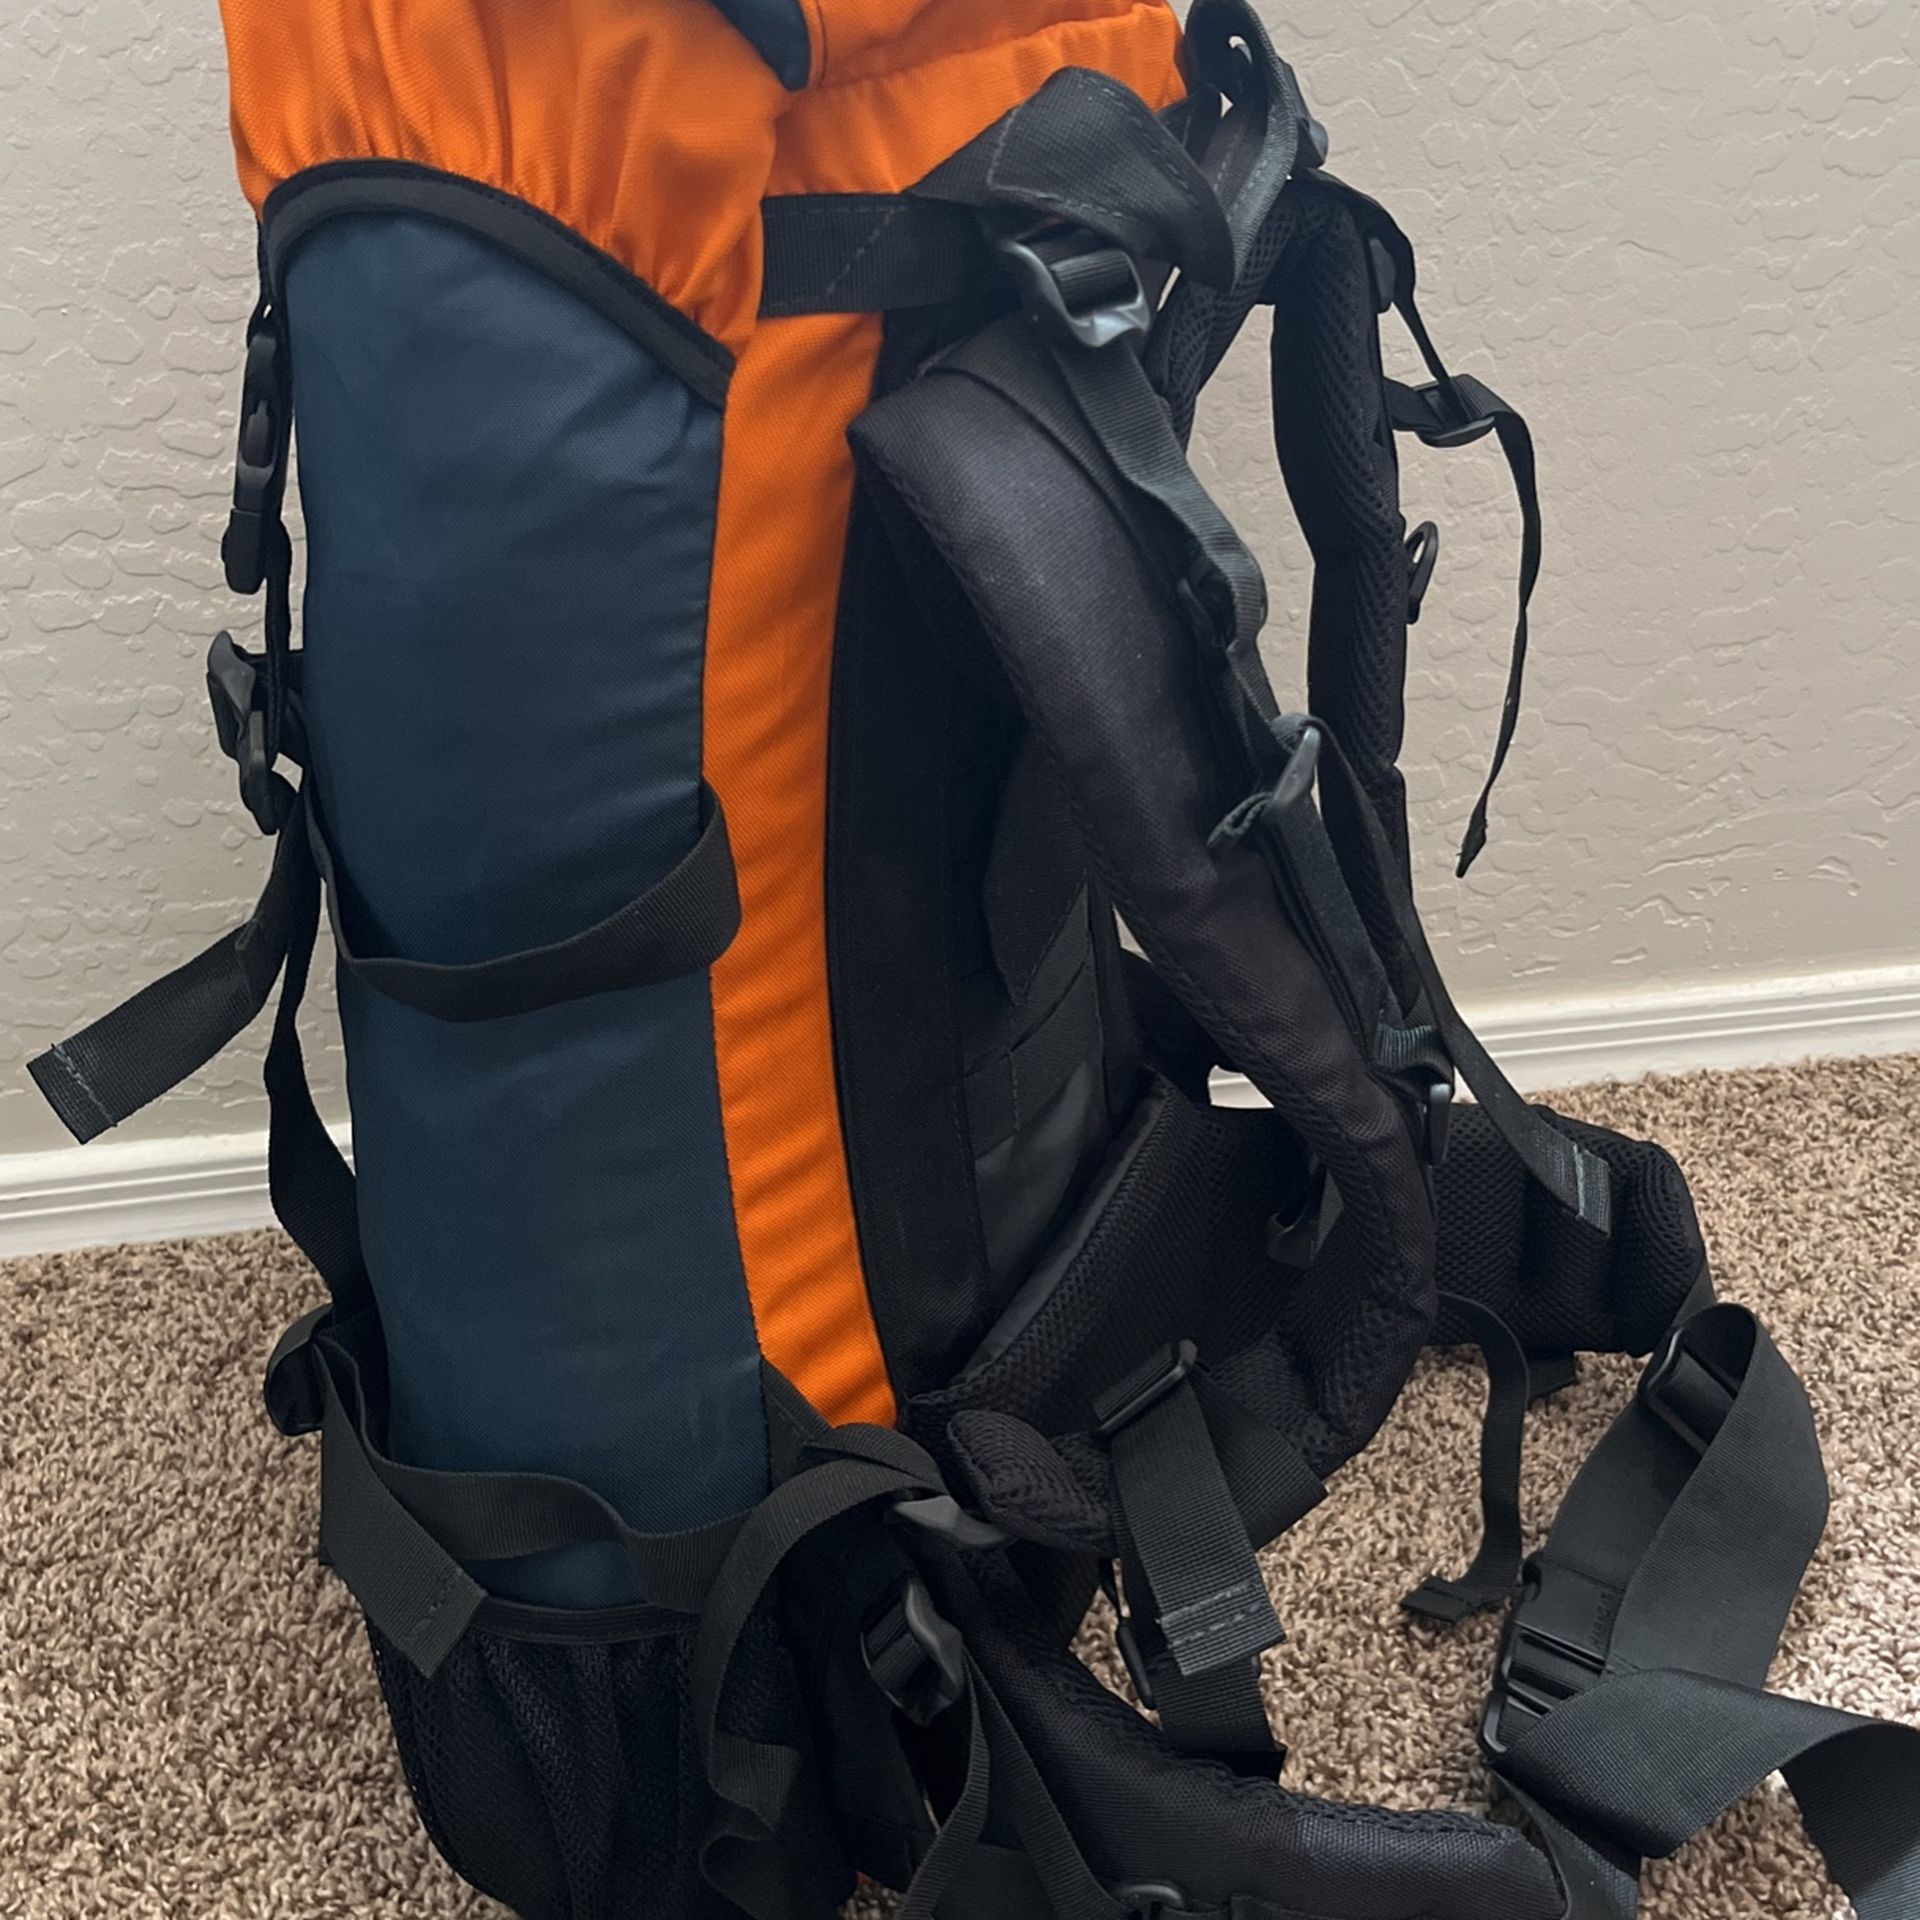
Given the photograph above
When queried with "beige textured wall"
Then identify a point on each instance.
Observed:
(1685, 234)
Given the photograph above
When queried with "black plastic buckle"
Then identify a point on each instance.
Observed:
(259, 465)
(1126, 1636)
(941, 1515)
(1456, 423)
(1150, 1899)
(1296, 780)
(295, 1397)
(1145, 1387)
(237, 692)
(1035, 262)
(1423, 555)
(1555, 1648)
(1689, 1394)
(938, 1677)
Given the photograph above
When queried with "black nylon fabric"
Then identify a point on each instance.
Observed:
(1629, 1707)
(1088, 150)
(1170, 1245)
(974, 495)
(1141, 1812)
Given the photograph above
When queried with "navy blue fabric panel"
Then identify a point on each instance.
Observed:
(510, 514)
(778, 30)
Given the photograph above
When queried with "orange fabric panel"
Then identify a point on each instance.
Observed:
(861, 39)
(652, 128)
(786, 491)
(645, 125)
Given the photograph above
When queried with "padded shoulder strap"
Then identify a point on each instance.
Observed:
(989, 507)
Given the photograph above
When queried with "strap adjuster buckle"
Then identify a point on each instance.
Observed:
(295, 1398)
(914, 1654)
(1555, 1648)
(259, 465)
(1457, 421)
(237, 692)
(1144, 1388)
(1152, 1899)
(1689, 1393)
(1081, 294)
(1423, 555)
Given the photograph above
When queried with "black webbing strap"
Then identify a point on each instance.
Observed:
(397, 1535)
(308, 1179)
(1006, 1091)
(843, 1471)
(1251, 153)
(1136, 433)
(1495, 1570)
(1453, 411)
(867, 253)
(173, 1026)
(1439, 415)
(1629, 1709)
(1579, 1179)
(1188, 1520)
(1089, 152)
(683, 922)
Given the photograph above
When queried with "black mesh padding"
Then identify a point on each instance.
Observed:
(1142, 1812)
(1336, 451)
(563, 1778)
(1199, 323)
(1171, 1245)
(1560, 1286)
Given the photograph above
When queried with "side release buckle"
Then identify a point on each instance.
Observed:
(260, 460)
(914, 1654)
(1077, 288)
(238, 693)
(1555, 1648)
(1455, 417)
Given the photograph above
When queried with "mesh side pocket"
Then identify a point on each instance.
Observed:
(562, 1777)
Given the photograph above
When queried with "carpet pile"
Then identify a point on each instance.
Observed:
(189, 1728)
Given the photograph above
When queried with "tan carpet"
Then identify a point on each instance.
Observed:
(188, 1727)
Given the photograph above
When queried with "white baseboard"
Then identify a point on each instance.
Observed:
(113, 1193)
(108, 1194)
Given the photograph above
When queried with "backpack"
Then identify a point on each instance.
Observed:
(762, 640)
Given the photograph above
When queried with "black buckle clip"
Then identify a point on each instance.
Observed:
(1126, 1636)
(1118, 312)
(259, 465)
(1548, 1654)
(237, 692)
(1151, 1899)
(941, 1515)
(936, 1674)
(1144, 1388)
(1687, 1392)
(1457, 423)
(1423, 555)
(1296, 780)
(294, 1393)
